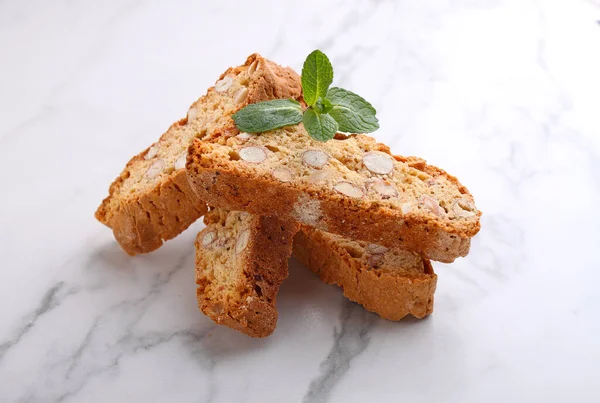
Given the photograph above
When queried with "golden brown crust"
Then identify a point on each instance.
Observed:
(141, 224)
(227, 184)
(244, 301)
(142, 220)
(391, 294)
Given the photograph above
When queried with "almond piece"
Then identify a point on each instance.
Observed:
(241, 95)
(155, 169)
(191, 114)
(242, 241)
(152, 151)
(432, 204)
(315, 158)
(375, 249)
(253, 67)
(223, 84)
(385, 191)
(209, 238)
(319, 176)
(221, 243)
(464, 208)
(375, 260)
(348, 189)
(245, 136)
(283, 174)
(378, 162)
(217, 308)
(406, 208)
(180, 163)
(308, 211)
(253, 154)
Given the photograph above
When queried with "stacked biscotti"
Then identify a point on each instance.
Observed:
(348, 209)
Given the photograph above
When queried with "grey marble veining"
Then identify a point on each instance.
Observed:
(351, 339)
(503, 94)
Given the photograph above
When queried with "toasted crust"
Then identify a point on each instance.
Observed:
(141, 223)
(232, 184)
(141, 220)
(390, 291)
(239, 289)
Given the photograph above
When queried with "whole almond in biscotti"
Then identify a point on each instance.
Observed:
(315, 158)
(253, 154)
(208, 238)
(348, 189)
(241, 260)
(390, 282)
(151, 200)
(367, 194)
(378, 162)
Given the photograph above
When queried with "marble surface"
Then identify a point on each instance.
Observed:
(503, 94)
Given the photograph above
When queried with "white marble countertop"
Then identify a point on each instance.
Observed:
(503, 94)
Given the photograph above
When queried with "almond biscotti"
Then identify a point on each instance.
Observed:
(241, 260)
(151, 200)
(390, 282)
(351, 186)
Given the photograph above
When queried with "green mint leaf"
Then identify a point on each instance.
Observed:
(268, 115)
(323, 105)
(320, 127)
(352, 113)
(317, 75)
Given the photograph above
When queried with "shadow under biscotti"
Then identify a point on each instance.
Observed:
(295, 291)
(303, 284)
(305, 304)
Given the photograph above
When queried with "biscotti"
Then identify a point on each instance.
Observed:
(151, 200)
(390, 282)
(351, 186)
(241, 260)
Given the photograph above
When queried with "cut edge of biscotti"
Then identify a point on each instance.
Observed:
(151, 200)
(351, 186)
(389, 282)
(241, 260)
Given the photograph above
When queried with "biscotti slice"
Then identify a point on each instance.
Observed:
(241, 260)
(351, 186)
(151, 200)
(390, 282)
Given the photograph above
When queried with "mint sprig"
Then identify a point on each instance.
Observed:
(328, 111)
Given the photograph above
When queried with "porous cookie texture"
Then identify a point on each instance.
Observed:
(390, 282)
(151, 200)
(351, 186)
(241, 260)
